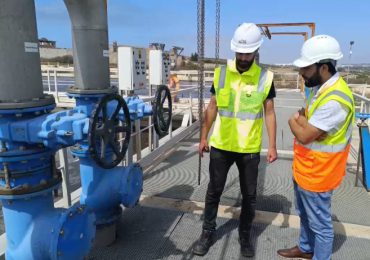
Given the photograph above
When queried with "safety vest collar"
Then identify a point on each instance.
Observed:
(261, 83)
(330, 82)
(314, 94)
(251, 72)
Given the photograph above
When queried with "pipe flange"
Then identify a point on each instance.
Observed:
(43, 101)
(73, 90)
(28, 190)
(75, 234)
(132, 183)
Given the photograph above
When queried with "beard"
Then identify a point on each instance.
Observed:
(314, 81)
(243, 66)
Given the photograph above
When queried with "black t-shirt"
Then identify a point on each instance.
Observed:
(272, 93)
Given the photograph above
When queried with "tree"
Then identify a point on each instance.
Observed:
(194, 56)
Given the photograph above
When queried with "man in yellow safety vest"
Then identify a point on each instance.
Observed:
(242, 91)
(322, 141)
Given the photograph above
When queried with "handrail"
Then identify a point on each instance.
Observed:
(362, 98)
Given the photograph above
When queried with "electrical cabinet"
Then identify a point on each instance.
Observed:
(131, 68)
(159, 67)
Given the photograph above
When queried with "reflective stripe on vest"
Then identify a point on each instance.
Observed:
(320, 166)
(240, 115)
(221, 81)
(327, 148)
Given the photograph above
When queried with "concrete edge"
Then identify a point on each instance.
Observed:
(263, 217)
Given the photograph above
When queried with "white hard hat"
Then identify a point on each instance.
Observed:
(247, 38)
(318, 48)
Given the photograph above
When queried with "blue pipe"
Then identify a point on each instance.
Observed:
(103, 190)
(36, 230)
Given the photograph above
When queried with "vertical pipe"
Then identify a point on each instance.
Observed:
(20, 69)
(90, 43)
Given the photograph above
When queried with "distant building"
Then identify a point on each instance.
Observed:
(45, 43)
(157, 46)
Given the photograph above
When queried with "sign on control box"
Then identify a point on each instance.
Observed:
(131, 68)
(159, 67)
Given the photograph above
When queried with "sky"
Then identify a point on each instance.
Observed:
(174, 22)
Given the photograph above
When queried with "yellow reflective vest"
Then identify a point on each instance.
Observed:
(240, 97)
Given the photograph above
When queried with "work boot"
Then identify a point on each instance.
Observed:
(246, 248)
(203, 244)
(294, 252)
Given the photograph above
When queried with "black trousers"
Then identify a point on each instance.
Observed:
(220, 163)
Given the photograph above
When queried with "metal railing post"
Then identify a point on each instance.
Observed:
(56, 86)
(363, 95)
(298, 81)
(48, 75)
(155, 140)
(138, 139)
(190, 109)
(129, 152)
(170, 128)
(150, 128)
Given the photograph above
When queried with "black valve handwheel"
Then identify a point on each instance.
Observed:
(107, 128)
(162, 112)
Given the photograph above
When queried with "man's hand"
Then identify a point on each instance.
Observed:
(203, 147)
(271, 155)
(302, 112)
(303, 130)
(322, 137)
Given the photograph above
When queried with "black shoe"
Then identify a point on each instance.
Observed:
(246, 248)
(203, 244)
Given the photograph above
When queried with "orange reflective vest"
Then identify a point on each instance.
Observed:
(320, 166)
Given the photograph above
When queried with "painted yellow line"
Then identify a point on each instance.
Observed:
(264, 217)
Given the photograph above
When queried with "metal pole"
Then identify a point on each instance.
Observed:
(217, 41)
(349, 61)
(150, 138)
(200, 45)
(190, 109)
